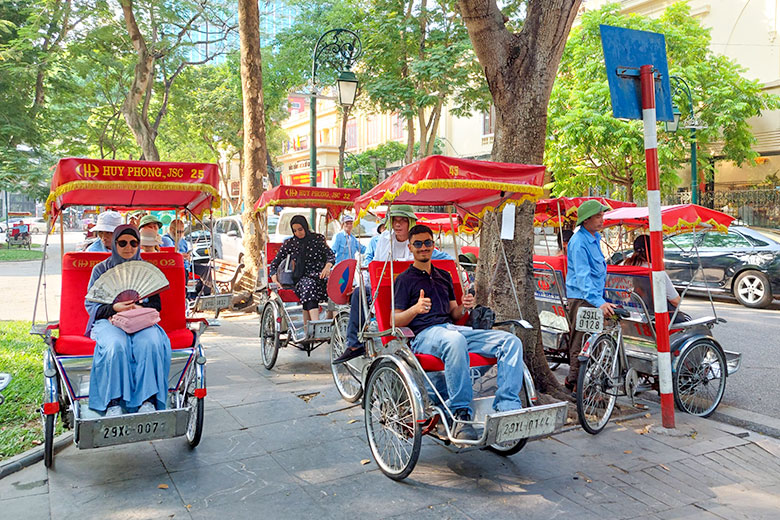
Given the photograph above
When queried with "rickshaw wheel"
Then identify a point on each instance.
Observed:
(596, 390)
(347, 381)
(509, 448)
(48, 440)
(195, 419)
(393, 432)
(269, 337)
(699, 380)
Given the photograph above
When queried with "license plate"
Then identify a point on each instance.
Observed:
(526, 425)
(212, 303)
(322, 330)
(589, 319)
(134, 431)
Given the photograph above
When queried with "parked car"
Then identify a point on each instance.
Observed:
(200, 241)
(744, 262)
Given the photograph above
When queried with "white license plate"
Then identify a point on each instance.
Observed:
(589, 319)
(212, 303)
(526, 425)
(133, 431)
(322, 330)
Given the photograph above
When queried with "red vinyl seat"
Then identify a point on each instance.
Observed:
(76, 271)
(382, 307)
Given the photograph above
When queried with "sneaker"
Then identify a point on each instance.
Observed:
(114, 411)
(350, 353)
(463, 430)
(147, 407)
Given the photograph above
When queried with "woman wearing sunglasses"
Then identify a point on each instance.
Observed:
(129, 371)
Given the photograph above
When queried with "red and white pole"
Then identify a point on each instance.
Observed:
(656, 246)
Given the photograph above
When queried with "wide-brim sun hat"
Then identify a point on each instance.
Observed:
(589, 208)
(108, 221)
(149, 219)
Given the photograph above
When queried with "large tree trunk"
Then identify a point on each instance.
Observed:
(520, 70)
(254, 156)
(141, 85)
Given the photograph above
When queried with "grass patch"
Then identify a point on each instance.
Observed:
(16, 254)
(21, 355)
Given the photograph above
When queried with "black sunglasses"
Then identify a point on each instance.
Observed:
(123, 243)
(419, 243)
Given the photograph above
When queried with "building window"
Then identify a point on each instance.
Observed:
(372, 130)
(397, 131)
(489, 121)
(351, 134)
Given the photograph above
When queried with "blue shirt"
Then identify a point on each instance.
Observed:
(587, 269)
(98, 247)
(345, 246)
(437, 286)
(184, 247)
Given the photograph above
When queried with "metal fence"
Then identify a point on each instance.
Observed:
(753, 207)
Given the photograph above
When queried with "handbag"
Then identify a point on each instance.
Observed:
(134, 320)
(286, 271)
(482, 317)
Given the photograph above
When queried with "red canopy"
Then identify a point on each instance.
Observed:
(474, 187)
(553, 212)
(133, 184)
(674, 219)
(335, 199)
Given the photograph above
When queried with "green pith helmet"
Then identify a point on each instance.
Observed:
(149, 219)
(401, 210)
(589, 208)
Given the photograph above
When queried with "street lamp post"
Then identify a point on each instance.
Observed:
(339, 48)
(680, 85)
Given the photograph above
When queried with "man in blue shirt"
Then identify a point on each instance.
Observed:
(586, 276)
(176, 236)
(425, 302)
(345, 245)
(106, 223)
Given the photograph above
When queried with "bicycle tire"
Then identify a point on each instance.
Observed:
(597, 376)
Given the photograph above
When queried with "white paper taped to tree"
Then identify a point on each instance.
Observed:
(508, 222)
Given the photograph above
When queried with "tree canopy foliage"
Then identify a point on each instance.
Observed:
(587, 147)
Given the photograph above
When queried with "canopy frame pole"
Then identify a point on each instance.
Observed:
(450, 211)
(508, 270)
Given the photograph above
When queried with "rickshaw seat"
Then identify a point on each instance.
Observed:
(76, 271)
(383, 309)
(558, 263)
(287, 295)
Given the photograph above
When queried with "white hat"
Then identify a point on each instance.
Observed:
(347, 218)
(108, 221)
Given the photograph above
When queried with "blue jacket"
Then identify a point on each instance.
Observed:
(587, 270)
(345, 246)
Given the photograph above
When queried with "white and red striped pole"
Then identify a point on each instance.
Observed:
(656, 246)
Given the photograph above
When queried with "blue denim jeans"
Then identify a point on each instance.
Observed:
(452, 344)
(357, 317)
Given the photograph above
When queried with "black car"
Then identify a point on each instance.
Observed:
(200, 240)
(744, 262)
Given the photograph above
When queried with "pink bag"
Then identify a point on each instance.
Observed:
(135, 319)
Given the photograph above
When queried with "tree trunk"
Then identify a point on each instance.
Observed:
(345, 111)
(409, 157)
(254, 156)
(520, 70)
(142, 80)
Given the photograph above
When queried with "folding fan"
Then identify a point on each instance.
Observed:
(128, 281)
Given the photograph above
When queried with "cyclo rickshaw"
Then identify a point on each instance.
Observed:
(624, 359)
(550, 272)
(19, 235)
(281, 313)
(67, 362)
(400, 398)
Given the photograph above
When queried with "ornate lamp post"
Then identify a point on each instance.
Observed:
(340, 49)
(679, 85)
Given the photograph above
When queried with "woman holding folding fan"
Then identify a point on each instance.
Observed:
(129, 369)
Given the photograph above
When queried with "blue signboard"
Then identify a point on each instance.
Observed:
(625, 50)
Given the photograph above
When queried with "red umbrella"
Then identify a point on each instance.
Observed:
(674, 219)
(553, 212)
(335, 199)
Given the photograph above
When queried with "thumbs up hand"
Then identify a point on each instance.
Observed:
(423, 304)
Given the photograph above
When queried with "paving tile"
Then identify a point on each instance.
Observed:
(326, 461)
(281, 409)
(291, 503)
(132, 499)
(436, 512)
(213, 449)
(723, 460)
(32, 480)
(690, 512)
(671, 497)
(689, 486)
(77, 469)
(30, 506)
(297, 433)
(235, 481)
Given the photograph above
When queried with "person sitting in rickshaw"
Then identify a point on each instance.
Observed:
(152, 222)
(313, 262)
(401, 217)
(345, 245)
(641, 258)
(425, 302)
(183, 246)
(106, 224)
(129, 371)
(150, 240)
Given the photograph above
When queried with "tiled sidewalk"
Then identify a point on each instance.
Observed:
(268, 453)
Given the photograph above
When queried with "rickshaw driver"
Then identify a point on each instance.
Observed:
(425, 302)
(587, 276)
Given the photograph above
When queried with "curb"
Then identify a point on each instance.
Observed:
(753, 421)
(32, 456)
